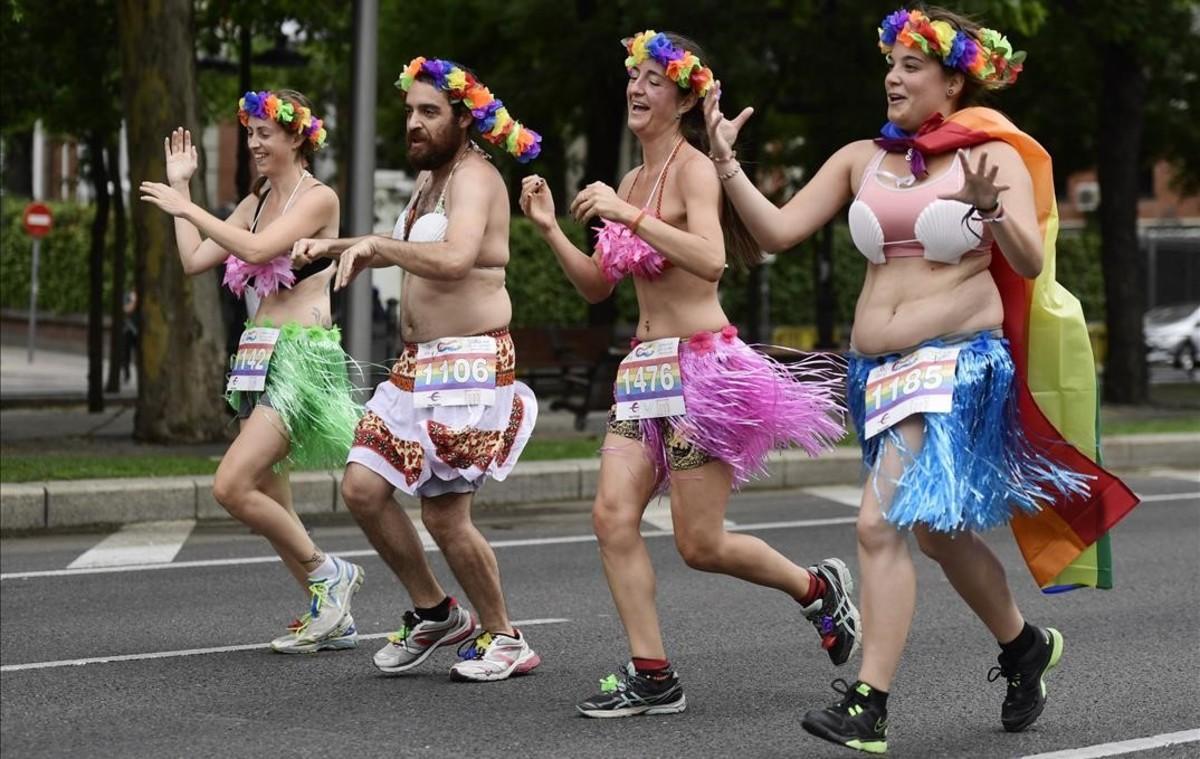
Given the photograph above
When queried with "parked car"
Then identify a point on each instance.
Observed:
(1173, 335)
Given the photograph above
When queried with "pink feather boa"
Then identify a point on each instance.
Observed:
(622, 252)
(268, 277)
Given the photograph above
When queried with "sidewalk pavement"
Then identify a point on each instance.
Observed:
(531, 485)
(52, 377)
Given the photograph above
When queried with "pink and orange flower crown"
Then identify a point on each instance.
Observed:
(988, 56)
(293, 117)
(683, 67)
(492, 119)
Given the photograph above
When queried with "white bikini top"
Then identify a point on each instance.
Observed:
(901, 221)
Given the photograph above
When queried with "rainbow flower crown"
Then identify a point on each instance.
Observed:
(988, 57)
(293, 117)
(492, 119)
(683, 67)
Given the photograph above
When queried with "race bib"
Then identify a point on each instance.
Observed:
(456, 371)
(649, 384)
(249, 372)
(919, 383)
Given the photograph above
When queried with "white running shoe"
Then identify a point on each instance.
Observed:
(494, 657)
(297, 642)
(417, 639)
(328, 613)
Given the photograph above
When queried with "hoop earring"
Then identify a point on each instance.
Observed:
(950, 92)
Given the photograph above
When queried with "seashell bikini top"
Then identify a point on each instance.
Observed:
(621, 251)
(902, 222)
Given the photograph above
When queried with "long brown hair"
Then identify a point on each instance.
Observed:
(307, 150)
(740, 245)
(974, 89)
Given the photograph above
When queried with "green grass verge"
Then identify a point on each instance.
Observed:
(24, 467)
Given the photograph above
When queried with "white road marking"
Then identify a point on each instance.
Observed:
(213, 650)
(1169, 497)
(658, 515)
(427, 541)
(1122, 747)
(849, 495)
(513, 543)
(141, 543)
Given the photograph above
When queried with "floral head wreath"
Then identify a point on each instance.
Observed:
(987, 56)
(683, 67)
(491, 117)
(293, 117)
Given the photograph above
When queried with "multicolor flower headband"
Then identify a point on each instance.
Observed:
(293, 117)
(988, 57)
(683, 67)
(491, 117)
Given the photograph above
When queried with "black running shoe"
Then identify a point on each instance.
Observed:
(1026, 677)
(629, 694)
(853, 722)
(834, 614)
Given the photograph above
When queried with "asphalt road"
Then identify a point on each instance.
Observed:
(749, 662)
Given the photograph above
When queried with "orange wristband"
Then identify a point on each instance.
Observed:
(637, 220)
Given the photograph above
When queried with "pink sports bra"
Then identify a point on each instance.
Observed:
(901, 222)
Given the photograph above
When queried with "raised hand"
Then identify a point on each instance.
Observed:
(600, 200)
(537, 202)
(166, 198)
(979, 186)
(182, 159)
(722, 133)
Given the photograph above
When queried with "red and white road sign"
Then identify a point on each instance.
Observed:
(37, 220)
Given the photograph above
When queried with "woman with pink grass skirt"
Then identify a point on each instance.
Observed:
(697, 410)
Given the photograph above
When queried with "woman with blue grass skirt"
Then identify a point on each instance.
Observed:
(288, 382)
(953, 207)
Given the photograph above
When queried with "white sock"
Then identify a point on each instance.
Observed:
(326, 571)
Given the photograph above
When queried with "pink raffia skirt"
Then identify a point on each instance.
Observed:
(741, 406)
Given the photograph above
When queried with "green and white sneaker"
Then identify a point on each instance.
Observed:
(296, 641)
(328, 619)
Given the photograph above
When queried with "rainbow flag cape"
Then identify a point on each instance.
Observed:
(1066, 544)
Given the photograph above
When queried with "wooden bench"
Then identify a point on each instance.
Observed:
(575, 366)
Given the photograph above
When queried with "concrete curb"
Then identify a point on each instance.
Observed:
(79, 503)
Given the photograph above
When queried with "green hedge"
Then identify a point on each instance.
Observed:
(63, 264)
(541, 293)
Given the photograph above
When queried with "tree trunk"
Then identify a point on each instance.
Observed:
(95, 323)
(1121, 122)
(242, 174)
(181, 358)
(116, 307)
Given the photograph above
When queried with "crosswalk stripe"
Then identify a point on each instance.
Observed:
(141, 543)
(849, 495)
(213, 650)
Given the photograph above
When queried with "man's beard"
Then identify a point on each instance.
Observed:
(436, 150)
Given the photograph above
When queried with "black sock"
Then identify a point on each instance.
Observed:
(1020, 644)
(439, 613)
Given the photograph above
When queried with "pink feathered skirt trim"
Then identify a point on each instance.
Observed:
(742, 405)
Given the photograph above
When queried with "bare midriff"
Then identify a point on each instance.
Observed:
(677, 304)
(910, 300)
(306, 304)
(431, 309)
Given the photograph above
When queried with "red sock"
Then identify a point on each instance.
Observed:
(651, 667)
(816, 589)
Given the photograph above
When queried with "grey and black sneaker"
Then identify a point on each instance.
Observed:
(853, 722)
(629, 694)
(834, 614)
(1026, 677)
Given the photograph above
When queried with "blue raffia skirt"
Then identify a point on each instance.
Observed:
(975, 464)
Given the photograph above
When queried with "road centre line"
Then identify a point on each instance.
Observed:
(513, 543)
(1117, 748)
(213, 650)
